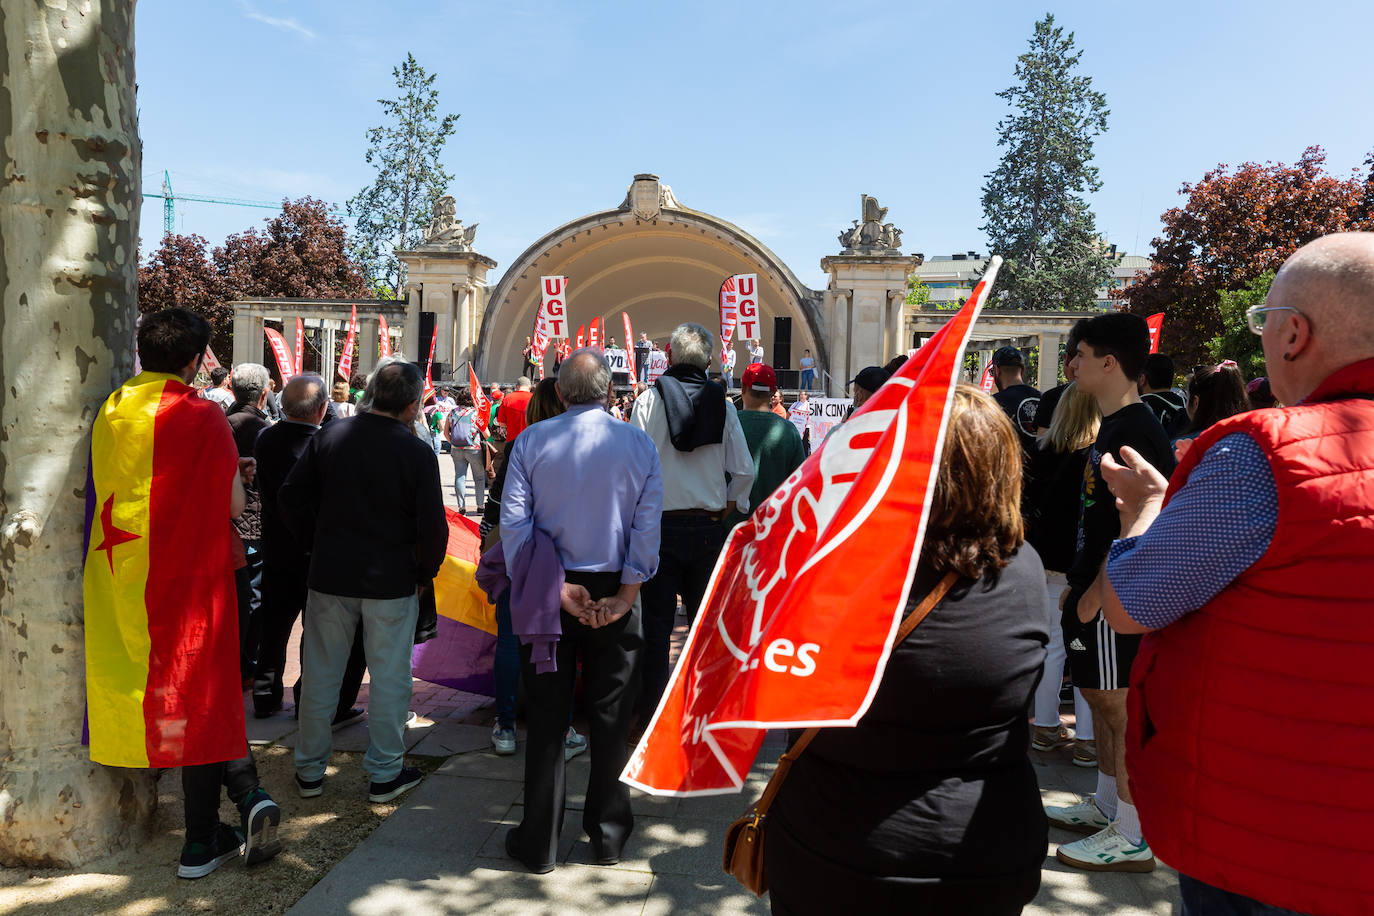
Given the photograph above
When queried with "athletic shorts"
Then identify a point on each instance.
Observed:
(1099, 658)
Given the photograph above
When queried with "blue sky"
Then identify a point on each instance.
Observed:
(775, 116)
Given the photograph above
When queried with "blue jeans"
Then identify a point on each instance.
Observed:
(807, 377)
(388, 639)
(1201, 899)
(506, 663)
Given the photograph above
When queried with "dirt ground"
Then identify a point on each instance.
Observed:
(316, 833)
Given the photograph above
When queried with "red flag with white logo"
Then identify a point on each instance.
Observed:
(281, 351)
(346, 360)
(1156, 324)
(581, 337)
(594, 341)
(479, 400)
(988, 383)
(629, 346)
(300, 346)
(729, 315)
(385, 334)
(780, 641)
(429, 364)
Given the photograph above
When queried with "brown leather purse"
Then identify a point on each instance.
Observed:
(744, 839)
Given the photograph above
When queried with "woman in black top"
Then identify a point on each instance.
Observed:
(930, 803)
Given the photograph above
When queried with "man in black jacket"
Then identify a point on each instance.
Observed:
(364, 500)
(251, 384)
(305, 400)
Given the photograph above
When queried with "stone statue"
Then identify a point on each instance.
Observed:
(871, 235)
(446, 230)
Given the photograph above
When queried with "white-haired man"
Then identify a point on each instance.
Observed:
(706, 468)
(1250, 731)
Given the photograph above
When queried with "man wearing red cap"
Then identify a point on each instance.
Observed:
(774, 443)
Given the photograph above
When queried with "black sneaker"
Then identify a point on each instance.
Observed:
(260, 819)
(407, 779)
(345, 719)
(309, 788)
(199, 859)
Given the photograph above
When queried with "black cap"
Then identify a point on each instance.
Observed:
(871, 378)
(1008, 356)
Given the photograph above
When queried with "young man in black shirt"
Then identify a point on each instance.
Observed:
(1019, 400)
(1110, 358)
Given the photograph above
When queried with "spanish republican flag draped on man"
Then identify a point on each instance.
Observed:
(798, 620)
(162, 635)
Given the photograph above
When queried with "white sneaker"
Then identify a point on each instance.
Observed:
(1107, 850)
(573, 744)
(502, 740)
(1083, 817)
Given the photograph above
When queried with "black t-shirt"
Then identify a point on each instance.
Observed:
(1098, 522)
(1021, 402)
(1168, 408)
(1044, 411)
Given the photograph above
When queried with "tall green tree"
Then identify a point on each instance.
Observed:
(1236, 341)
(393, 211)
(1034, 202)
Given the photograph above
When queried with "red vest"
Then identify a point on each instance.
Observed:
(1251, 738)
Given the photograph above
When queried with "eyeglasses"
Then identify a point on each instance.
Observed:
(1255, 315)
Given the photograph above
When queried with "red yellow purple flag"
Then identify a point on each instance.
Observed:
(781, 641)
(162, 633)
(461, 654)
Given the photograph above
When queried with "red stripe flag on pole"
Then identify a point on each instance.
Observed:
(300, 346)
(346, 361)
(1156, 324)
(479, 400)
(281, 351)
(385, 334)
(629, 346)
(780, 641)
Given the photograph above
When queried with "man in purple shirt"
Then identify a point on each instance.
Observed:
(592, 485)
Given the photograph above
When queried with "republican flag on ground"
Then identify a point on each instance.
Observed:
(781, 641)
(281, 351)
(385, 334)
(161, 616)
(461, 655)
(479, 400)
(346, 360)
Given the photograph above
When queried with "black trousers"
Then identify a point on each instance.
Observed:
(609, 657)
(201, 784)
(283, 599)
(248, 589)
(687, 554)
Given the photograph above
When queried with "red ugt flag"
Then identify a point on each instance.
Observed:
(346, 360)
(479, 400)
(1156, 324)
(781, 641)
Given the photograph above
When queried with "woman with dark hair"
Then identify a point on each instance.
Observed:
(930, 803)
(1214, 393)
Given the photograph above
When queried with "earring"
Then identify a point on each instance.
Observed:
(1288, 357)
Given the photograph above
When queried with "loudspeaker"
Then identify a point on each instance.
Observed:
(788, 378)
(438, 370)
(422, 341)
(782, 343)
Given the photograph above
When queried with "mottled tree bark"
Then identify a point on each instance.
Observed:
(69, 201)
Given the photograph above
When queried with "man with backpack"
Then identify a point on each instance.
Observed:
(464, 434)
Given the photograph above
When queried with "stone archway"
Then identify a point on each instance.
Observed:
(654, 259)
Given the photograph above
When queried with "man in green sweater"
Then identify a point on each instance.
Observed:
(773, 441)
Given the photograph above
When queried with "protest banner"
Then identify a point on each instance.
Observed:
(988, 383)
(820, 415)
(581, 337)
(658, 364)
(211, 360)
(1156, 324)
(385, 334)
(300, 346)
(281, 351)
(729, 315)
(479, 400)
(779, 641)
(619, 361)
(594, 338)
(346, 360)
(747, 286)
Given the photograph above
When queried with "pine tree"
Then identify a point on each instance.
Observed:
(393, 211)
(1037, 216)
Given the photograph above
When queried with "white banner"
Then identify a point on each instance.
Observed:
(658, 364)
(820, 415)
(620, 363)
(747, 286)
(553, 313)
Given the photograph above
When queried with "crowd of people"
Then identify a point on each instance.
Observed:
(1177, 560)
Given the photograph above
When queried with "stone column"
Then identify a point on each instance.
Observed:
(369, 336)
(462, 343)
(839, 340)
(327, 353)
(1049, 359)
(247, 336)
(896, 304)
(410, 333)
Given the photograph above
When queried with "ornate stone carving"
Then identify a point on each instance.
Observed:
(648, 197)
(445, 229)
(871, 235)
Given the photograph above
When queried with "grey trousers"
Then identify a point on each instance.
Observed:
(330, 622)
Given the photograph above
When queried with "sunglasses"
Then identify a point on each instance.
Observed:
(1255, 315)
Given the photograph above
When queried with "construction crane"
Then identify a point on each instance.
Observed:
(169, 200)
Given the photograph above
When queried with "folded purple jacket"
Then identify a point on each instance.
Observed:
(536, 596)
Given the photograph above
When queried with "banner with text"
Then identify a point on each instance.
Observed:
(619, 360)
(346, 361)
(553, 316)
(1156, 324)
(820, 415)
(300, 346)
(658, 364)
(281, 351)
(729, 316)
(385, 334)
